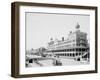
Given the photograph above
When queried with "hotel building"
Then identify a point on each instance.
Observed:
(75, 46)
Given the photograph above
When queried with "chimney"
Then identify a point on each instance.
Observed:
(62, 38)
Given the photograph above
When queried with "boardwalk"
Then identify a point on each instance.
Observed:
(49, 62)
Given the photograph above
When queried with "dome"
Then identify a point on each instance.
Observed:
(77, 26)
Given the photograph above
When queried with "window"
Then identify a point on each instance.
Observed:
(67, 49)
(73, 49)
(76, 49)
(79, 53)
(73, 54)
(76, 54)
(83, 49)
(70, 54)
(30, 61)
(80, 49)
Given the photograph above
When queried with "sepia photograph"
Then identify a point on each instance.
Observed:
(57, 39)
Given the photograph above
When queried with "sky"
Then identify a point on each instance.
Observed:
(41, 27)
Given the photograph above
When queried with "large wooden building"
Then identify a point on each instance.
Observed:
(76, 45)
